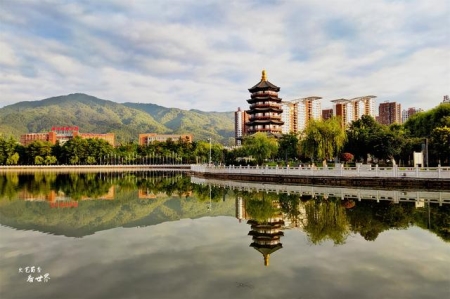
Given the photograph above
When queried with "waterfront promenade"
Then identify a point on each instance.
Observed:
(359, 171)
(437, 178)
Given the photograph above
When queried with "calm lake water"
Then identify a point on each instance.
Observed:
(166, 235)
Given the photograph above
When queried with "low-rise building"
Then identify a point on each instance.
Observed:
(63, 134)
(148, 138)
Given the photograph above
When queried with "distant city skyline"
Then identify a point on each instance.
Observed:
(205, 55)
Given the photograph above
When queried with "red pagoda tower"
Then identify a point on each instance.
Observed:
(265, 108)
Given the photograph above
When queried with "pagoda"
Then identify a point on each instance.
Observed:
(265, 108)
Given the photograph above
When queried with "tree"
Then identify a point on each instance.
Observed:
(322, 140)
(8, 151)
(260, 146)
(13, 159)
(37, 151)
(75, 150)
(422, 124)
(440, 144)
(201, 151)
(360, 136)
(97, 150)
(288, 147)
(346, 157)
(388, 143)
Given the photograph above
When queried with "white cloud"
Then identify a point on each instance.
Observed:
(177, 53)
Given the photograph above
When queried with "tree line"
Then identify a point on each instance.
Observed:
(362, 141)
(79, 151)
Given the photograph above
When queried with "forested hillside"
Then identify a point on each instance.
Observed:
(94, 115)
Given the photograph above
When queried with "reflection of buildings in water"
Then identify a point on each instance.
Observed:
(50, 197)
(55, 199)
(144, 193)
(58, 199)
(420, 203)
(110, 195)
(241, 212)
(147, 194)
(266, 234)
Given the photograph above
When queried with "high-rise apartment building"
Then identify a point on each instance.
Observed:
(351, 110)
(265, 108)
(307, 109)
(327, 113)
(240, 118)
(446, 99)
(389, 113)
(363, 106)
(297, 113)
(407, 113)
(343, 110)
(287, 116)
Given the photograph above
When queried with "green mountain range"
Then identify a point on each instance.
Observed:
(126, 121)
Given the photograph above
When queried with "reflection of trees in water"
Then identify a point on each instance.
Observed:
(261, 206)
(435, 219)
(334, 219)
(81, 185)
(370, 218)
(9, 185)
(322, 219)
(207, 192)
(326, 220)
(90, 185)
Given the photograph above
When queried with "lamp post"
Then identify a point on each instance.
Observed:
(209, 164)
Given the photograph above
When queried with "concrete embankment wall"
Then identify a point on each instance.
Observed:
(92, 168)
(369, 182)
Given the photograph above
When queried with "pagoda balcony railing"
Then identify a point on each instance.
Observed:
(264, 105)
(254, 117)
(251, 131)
(265, 92)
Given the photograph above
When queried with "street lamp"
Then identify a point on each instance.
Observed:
(209, 164)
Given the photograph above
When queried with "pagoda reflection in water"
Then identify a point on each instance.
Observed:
(266, 222)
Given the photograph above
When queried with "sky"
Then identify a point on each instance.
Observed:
(205, 55)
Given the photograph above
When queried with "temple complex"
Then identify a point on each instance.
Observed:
(265, 108)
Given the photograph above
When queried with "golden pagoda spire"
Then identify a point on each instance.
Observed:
(264, 76)
(266, 259)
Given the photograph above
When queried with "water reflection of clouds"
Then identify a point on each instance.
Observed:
(210, 257)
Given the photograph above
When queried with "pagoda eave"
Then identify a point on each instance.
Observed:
(268, 109)
(264, 98)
